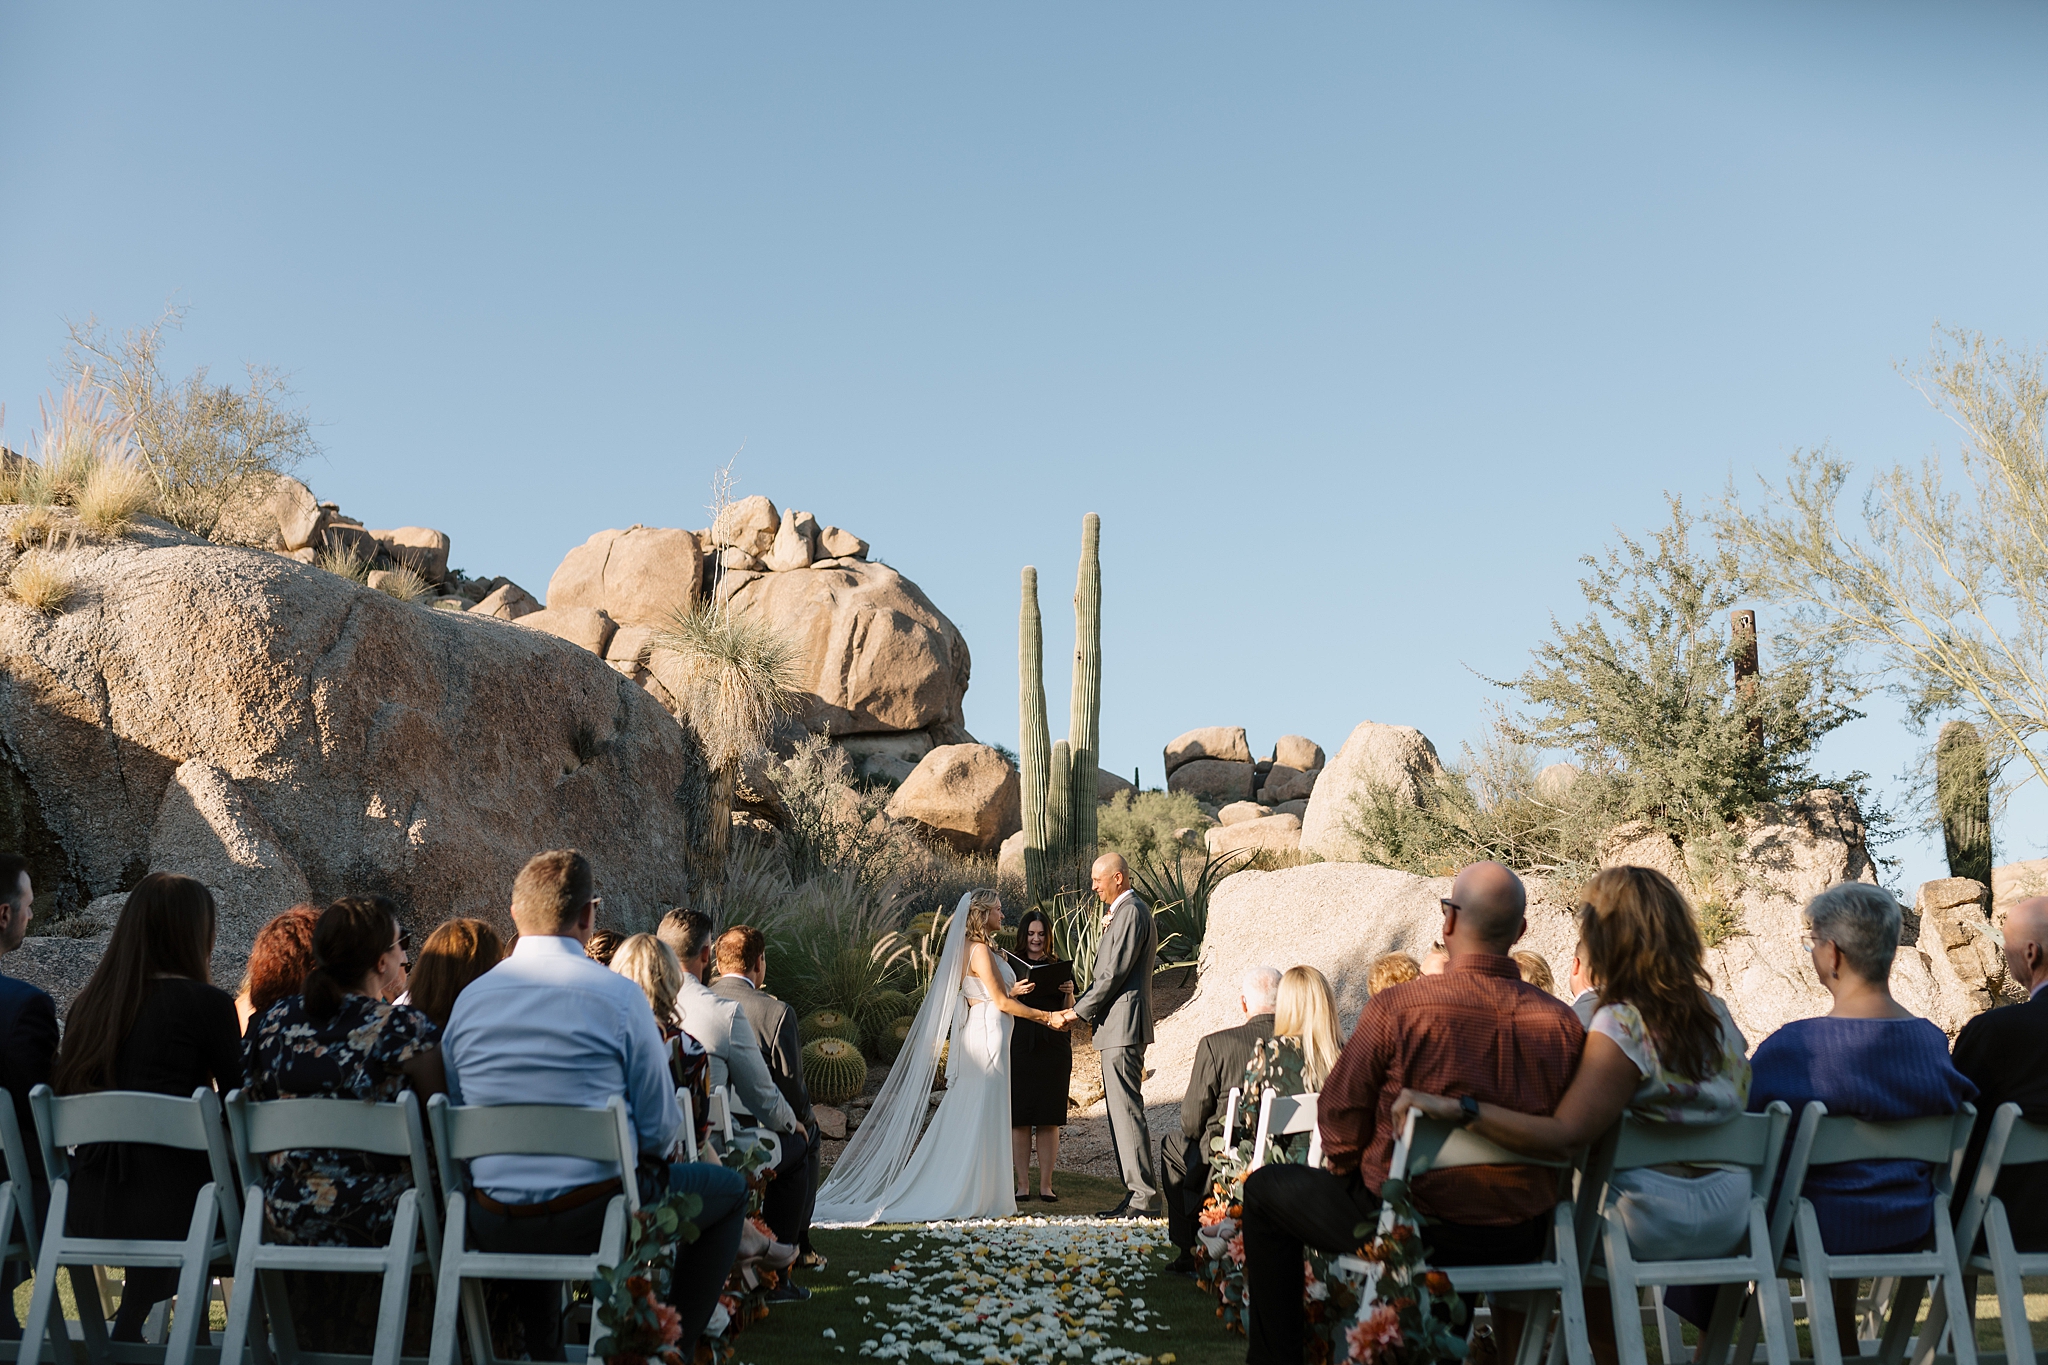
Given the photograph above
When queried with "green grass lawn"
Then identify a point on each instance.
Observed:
(1180, 1319)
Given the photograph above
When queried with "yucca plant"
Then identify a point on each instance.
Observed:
(1076, 932)
(737, 674)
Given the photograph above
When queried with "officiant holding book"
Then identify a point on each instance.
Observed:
(1041, 1059)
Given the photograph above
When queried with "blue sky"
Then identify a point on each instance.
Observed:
(1357, 324)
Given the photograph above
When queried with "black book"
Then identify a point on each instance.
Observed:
(1054, 973)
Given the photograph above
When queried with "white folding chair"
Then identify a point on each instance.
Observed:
(342, 1125)
(1223, 1144)
(17, 1194)
(1753, 1141)
(1821, 1140)
(718, 1115)
(684, 1103)
(1282, 1115)
(2011, 1141)
(192, 1125)
(1432, 1145)
(727, 1130)
(464, 1133)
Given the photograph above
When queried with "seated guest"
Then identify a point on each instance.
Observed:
(454, 955)
(28, 1043)
(148, 1019)
(341, 1039)
(2004, 1052)
(1436, 961)
(1389, 970)
(648, 963)
(1585, 1000)
(739, 1063)
(1535, 970)
(603, 943)
(1659, 1047)
(550, 1026)
(1868, 1057)
(1298, 1057)
(1478, 1031)
(741, 956)
(278, 962)
(1220, 1059)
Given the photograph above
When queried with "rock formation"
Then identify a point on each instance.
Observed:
(1395, 756)
(964, 794)
(276, 730)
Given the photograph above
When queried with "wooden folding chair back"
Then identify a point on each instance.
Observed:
(464, 1133)
(1753, 1142)
(1283, 1115)
(392, 1130)
(192, 1125)
(1824, 1140)
(2011, 1141)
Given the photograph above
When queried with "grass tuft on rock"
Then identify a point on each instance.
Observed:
(41, 582)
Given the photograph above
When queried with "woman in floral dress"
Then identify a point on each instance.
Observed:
(341, 1039)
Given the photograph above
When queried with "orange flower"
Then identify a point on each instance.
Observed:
(1436, 1282)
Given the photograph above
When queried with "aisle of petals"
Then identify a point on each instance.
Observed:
(1019, 1291)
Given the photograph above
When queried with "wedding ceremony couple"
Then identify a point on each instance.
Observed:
(898, 1169)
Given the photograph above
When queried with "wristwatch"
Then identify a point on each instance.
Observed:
(1468, 1111)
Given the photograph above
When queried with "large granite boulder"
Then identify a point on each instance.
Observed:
(966, 794)
(1215, 780)
(1263, 834)
(1224, 742)
(277, 730)
(877, 655)
(1399, 757)
(1297, 751)
(419, 548)
(640, 576)
(749, 526)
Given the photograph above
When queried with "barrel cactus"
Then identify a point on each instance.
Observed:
(830, 1023)
(834, 1070)
(878, 1009)
(890, 1040)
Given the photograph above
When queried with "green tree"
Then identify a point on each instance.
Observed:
(1642, 692)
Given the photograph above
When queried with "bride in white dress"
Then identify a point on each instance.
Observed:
(960, 1167)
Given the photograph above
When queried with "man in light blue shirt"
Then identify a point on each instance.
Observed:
(550, 1026)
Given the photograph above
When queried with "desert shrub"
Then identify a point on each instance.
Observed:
(112, 494)
(832, 824)
(1076, 932)
(1642, 691)
(404, 583)
(36, 526)
(343, 561)
(41, 582)
(199, 442)
(1140, 825)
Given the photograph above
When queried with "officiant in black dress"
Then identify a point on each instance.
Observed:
(1041, 1059)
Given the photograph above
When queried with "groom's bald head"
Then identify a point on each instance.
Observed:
(1111, 877)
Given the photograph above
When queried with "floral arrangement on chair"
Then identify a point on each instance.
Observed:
(641, 1329)
(1396, 1322)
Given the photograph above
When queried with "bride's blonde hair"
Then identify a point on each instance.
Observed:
(980, 904)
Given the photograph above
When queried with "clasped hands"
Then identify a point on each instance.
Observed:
(1061, 1020)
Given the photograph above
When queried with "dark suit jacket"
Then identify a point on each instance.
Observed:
(2005, 1051)
(28, 1044)
(1220, 1060)
(1118, 1005)
(774, 1023)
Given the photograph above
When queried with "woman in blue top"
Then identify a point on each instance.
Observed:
(1868, 1057)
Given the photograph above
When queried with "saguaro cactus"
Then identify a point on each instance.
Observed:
(1084, 731)
(1034, 738)
(1058, 780)
(1962, 793)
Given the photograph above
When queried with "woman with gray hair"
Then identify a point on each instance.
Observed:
(1869, 1057)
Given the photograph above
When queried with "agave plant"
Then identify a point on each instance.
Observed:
(1180, 903)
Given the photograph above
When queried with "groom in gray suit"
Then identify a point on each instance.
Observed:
(1118, 1006)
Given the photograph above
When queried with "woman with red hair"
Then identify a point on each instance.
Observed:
(278, 962)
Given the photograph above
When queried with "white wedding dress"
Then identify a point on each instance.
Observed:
(960, 1166)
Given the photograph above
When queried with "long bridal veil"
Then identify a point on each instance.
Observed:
(881, 1148)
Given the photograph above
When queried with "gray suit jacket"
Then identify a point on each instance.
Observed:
(1118, 1005)
(775, 1025)
(736, 1058)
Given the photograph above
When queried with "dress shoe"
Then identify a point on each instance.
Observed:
(1122, 1209)
(1185, 1264)
(789, 1292)
(811, 1260)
